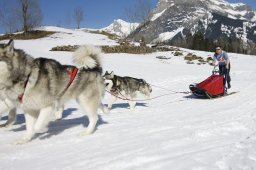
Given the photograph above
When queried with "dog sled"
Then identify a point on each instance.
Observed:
(212, 87)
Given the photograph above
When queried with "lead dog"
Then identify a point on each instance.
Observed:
(126, 88)
(42, 85)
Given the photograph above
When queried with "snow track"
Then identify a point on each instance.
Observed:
(174, 132)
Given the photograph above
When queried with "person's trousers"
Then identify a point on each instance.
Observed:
(226, 72)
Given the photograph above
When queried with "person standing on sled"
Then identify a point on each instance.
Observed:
(221, 58)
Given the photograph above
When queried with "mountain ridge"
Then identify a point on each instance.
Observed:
(176, 21)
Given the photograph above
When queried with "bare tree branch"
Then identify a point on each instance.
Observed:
(30, 14)
(78, 16)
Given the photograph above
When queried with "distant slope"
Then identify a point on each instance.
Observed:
(120, 27)
(176, 21)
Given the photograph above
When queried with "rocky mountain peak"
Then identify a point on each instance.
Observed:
(173, 21)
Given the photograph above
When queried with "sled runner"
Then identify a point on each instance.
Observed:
(212, 87)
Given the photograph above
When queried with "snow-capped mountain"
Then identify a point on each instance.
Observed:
(176, 19)
(120, 27)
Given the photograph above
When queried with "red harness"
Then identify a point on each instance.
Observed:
(20, 97)
(72, 77)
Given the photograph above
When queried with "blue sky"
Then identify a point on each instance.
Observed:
(98, 13)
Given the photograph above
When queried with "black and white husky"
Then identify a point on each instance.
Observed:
(43, 85)
(126, 88)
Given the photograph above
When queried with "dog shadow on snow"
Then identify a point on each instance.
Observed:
(20, 119)
(59, 126)
(126, 105)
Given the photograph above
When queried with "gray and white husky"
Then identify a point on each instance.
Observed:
(125, 88)
(42, 85)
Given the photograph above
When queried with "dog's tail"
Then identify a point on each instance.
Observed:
(88, 57)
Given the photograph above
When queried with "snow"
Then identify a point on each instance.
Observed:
(229, 8)
(120, 28)
(226, 30)
(254, 18)
(231, 16)
(41, 47)
(244, 36)
(168, 35)
(235, 12)
(175, 132)
(235, 5)
(157, 15)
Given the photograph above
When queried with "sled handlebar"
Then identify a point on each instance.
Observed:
(215, 70)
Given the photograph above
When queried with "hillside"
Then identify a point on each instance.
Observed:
(198, 24)
(176, 131)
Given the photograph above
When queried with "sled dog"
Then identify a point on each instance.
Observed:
(125, 88)
(42, 85)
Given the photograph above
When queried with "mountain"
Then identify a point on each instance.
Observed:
(120, 27)
(178, 21)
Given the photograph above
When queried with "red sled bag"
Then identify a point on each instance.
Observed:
(212, 87)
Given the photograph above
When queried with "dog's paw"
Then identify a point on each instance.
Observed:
(106, 110)
(42, 130)
(82, 134)
(3, 125)
(22, 140)
(86, 132)
(57, 116)
(131, 108)
(7, 124)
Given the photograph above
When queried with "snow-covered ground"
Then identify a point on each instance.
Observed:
(176, 131)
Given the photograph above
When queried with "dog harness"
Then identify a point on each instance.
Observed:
(20, 97)
(72, 77)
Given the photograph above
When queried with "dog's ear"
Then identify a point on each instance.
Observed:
(112, 74)
(106, 73)
(10, 46)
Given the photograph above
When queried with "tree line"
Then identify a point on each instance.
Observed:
(198, 41)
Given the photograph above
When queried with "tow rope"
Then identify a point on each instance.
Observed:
(173, 91)
(119, 95)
